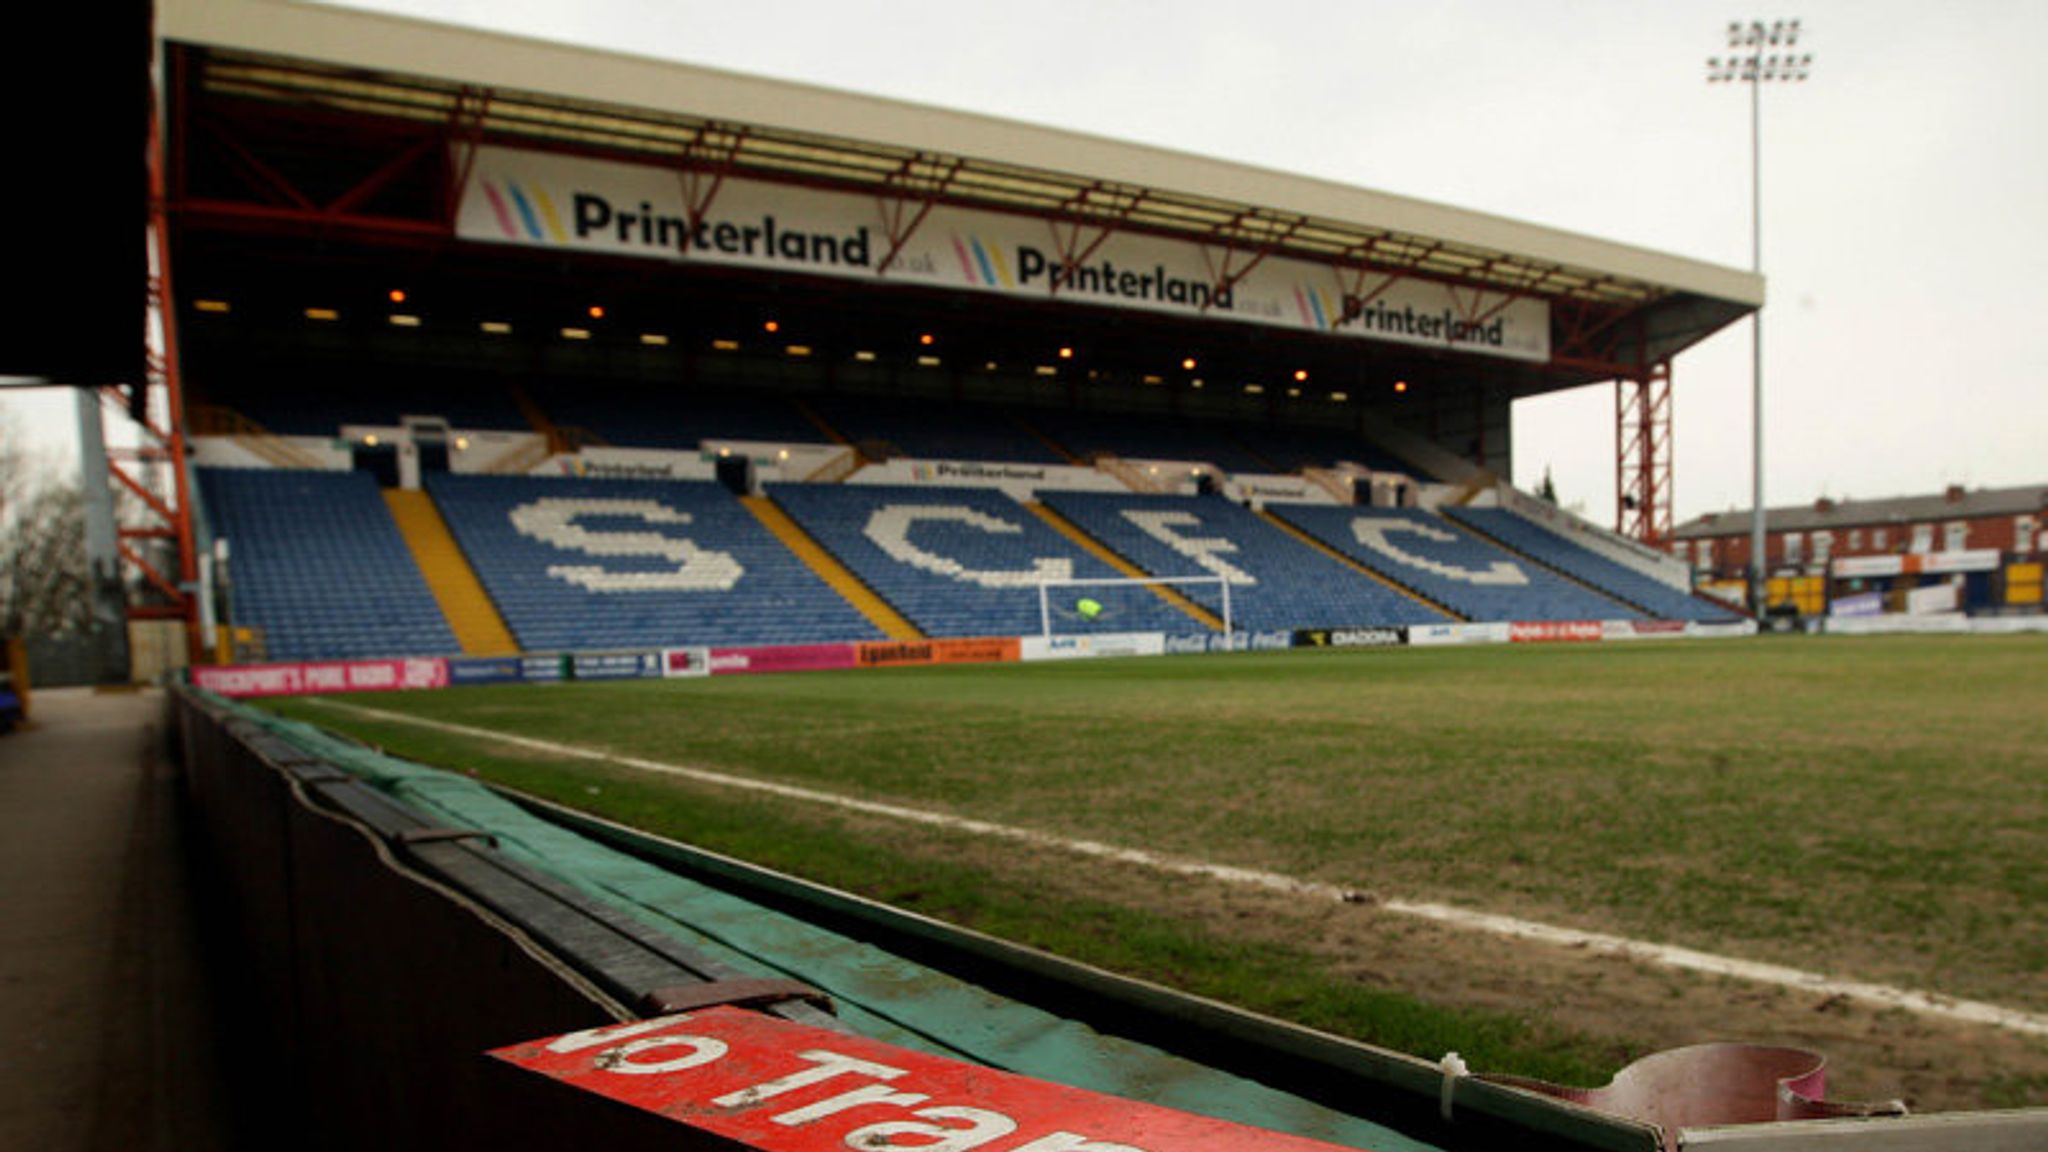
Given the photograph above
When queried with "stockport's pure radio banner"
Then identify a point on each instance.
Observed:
(563, 202)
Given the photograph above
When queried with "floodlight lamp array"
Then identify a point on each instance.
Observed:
(1756, 65)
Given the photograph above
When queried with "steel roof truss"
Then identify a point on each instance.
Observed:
(925, 179)
(1277, 234)
(707, 159)
(267, 182)
(1473, 315)
(466, 134)
(1356, 298)
(1083, 214)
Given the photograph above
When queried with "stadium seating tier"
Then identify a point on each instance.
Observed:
(1468, 575)
(318, 565)
(589, 564)
(1547, 547)
(965, 562)
(1277, 582)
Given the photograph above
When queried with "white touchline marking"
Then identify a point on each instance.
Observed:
(1666, 955)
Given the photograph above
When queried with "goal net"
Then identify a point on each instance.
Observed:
(1122, 603)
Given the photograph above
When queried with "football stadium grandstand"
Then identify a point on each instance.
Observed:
(493, 361)
(849, 384)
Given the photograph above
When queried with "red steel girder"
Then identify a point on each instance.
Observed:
(283, 192)
(465, 135)
(155, 503)
(1473, 314)
(382, 176)
(1229, 278)
(165, 373)
(1643, 451)
(1079, 218)
(1581, 324)
(275, 198)
(261, 177)
(893, 209)
(230, 212)
(1356, 298)
(112, 398)
(701, 173)
(178, 605)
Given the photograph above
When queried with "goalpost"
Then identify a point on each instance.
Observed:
(1046, 612)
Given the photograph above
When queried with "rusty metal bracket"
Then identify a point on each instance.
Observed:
(736, 993)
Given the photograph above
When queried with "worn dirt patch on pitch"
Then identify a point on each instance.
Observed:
(1634, 1007)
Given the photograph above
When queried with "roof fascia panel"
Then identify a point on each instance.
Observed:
(410, 46)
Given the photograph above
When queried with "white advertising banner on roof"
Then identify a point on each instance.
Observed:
(564, 202)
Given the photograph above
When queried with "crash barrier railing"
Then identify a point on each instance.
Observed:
(371, 957)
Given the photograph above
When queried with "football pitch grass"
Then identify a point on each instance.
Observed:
(1870, 808)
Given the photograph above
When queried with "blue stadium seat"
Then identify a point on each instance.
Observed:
(964, 562)
(317, 563)
(584, 564)
(1456, 569)
(1277, 582)
(1626, 584)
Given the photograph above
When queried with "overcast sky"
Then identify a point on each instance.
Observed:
(1905, 185)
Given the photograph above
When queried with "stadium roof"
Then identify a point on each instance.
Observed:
(1955, 504)
(310, 56)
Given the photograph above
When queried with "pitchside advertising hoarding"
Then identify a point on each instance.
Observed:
(322, 676)
(606, 208)
(738, 1079)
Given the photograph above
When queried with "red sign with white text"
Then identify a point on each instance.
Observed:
(782, 1087)
(1554, 631)
(781, 658)
(322, 676)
